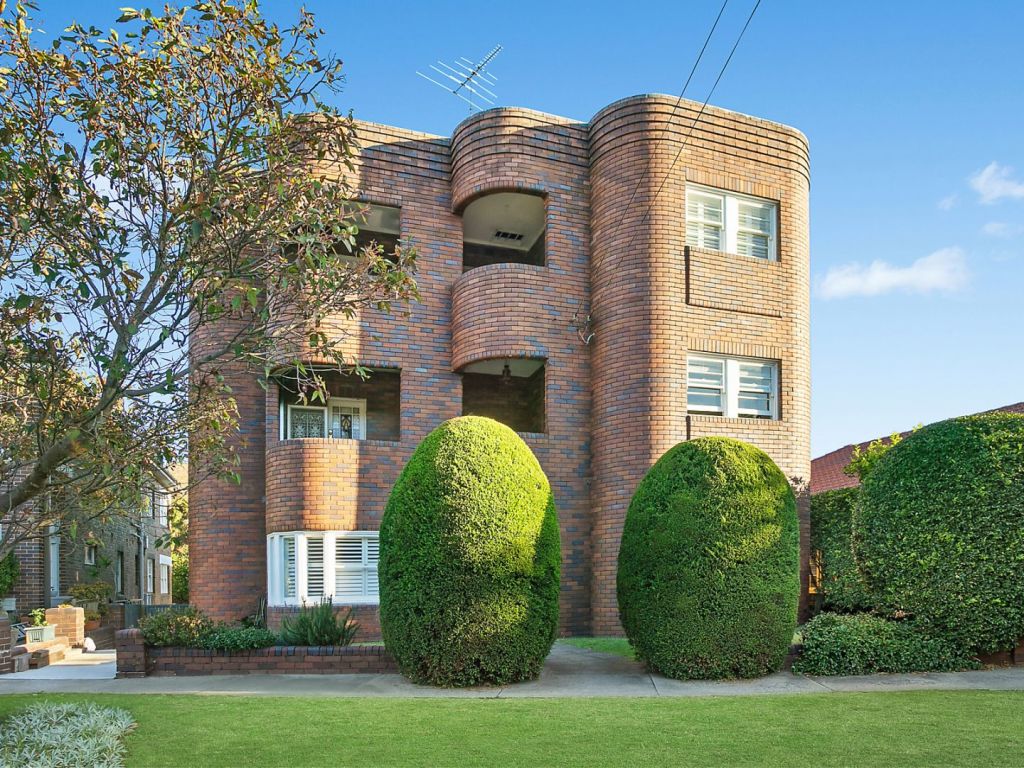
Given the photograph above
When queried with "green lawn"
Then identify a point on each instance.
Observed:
(926, 728)
(618, 645)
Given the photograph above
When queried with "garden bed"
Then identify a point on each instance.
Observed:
(136, 659)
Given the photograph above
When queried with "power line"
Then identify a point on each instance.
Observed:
(693, 125)
(682, 93)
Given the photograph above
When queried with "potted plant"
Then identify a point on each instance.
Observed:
(40, 631)
(8, 578)
(92, 620)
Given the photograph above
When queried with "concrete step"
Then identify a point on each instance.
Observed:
(42, 654)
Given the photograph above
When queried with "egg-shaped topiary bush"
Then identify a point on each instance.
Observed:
(938, 531)
(708, 579)
(470, 559)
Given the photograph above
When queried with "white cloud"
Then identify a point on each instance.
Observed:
(995, 181)
(945, 270)
(1001, 229)
(947, 203)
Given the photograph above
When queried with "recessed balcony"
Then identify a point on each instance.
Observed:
(503, 228)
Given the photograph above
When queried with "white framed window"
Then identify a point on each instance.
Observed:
(725, 221)
(150, 574)
(737, 387)
(165, 575)
(160, 505)
(306, 566)
(90, 554)
(342, 419)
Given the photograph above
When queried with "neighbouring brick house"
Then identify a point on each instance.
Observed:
(827, 470)
(607, 288)
(120, 549)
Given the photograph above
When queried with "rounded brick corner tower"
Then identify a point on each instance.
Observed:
(655, 301)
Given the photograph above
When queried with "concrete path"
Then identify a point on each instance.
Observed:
(76, 665)
(568, 672)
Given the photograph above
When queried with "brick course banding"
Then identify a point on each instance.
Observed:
(611, 407)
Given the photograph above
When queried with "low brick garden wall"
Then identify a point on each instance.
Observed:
(135, 659)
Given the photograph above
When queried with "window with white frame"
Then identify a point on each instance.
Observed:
(342, 418)
(165, 575)
(150, 574)
(737, 387)
(725, 221)
(90, 554)
(160, 504)
(307, 566)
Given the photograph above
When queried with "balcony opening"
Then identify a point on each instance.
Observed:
(380, 224)
(510, 391)
(503, 228)
(351, 408)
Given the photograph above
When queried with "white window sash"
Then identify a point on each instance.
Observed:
(276, 568)
(327, 411)
(733, 388)
(730, 227)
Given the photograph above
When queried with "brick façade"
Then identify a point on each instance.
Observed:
(612, 406)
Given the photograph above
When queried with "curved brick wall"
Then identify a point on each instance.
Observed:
(504, 310)
(652, 305)
(325, 484)
(506, 148)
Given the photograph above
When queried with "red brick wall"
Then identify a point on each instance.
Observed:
(6, 665)
(134, 659)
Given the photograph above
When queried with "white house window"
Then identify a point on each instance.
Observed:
(160, 503)
(150, 574)
(305, 567)
(342, 419)
(90, 554)
(724, 221)
(732, 386)
(165, 575)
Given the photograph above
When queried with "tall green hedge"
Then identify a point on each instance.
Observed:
(939, 530)
(708, 578)
(842, 586)
(470, 559)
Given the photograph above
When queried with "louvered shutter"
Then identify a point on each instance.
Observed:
(705, 385)
(315, 567)
(754, 229)
(704, 220)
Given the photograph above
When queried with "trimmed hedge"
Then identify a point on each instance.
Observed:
(470, 559)
(939, 531)
(191, 628)
(863, 644)
(708, 578)
(842, 586)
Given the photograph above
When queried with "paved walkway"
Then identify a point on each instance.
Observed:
(568, 672)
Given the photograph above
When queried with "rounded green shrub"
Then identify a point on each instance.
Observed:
(863, 644)
(708, 579)
(470, 559)
(939, 530)
(841, 584)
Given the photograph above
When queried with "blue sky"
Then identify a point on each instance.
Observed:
(917, 238)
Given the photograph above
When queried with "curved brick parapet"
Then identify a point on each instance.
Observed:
(327, 484)
(507, 149)
(504, 310)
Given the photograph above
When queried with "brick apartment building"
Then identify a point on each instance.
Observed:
(607, 288)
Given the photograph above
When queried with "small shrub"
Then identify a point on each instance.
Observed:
(51, 735)
(91, 592)
(225, 637)
(38, 617)
(842, 586)
(863, 644)
(9, 572)
(318, 625)
(708, 577)
(470, 559)
(179, 578)
(185, 627)
(938, 531)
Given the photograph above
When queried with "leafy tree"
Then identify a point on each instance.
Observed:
(863, 460)
(181, 171)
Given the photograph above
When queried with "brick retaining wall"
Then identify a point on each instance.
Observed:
(6, 665)
(134, 659)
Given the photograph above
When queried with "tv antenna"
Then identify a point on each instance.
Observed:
(473, 83)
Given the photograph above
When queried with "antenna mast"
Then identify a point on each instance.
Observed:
(468, 78)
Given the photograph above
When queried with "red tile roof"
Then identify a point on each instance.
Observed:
(827, 471)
